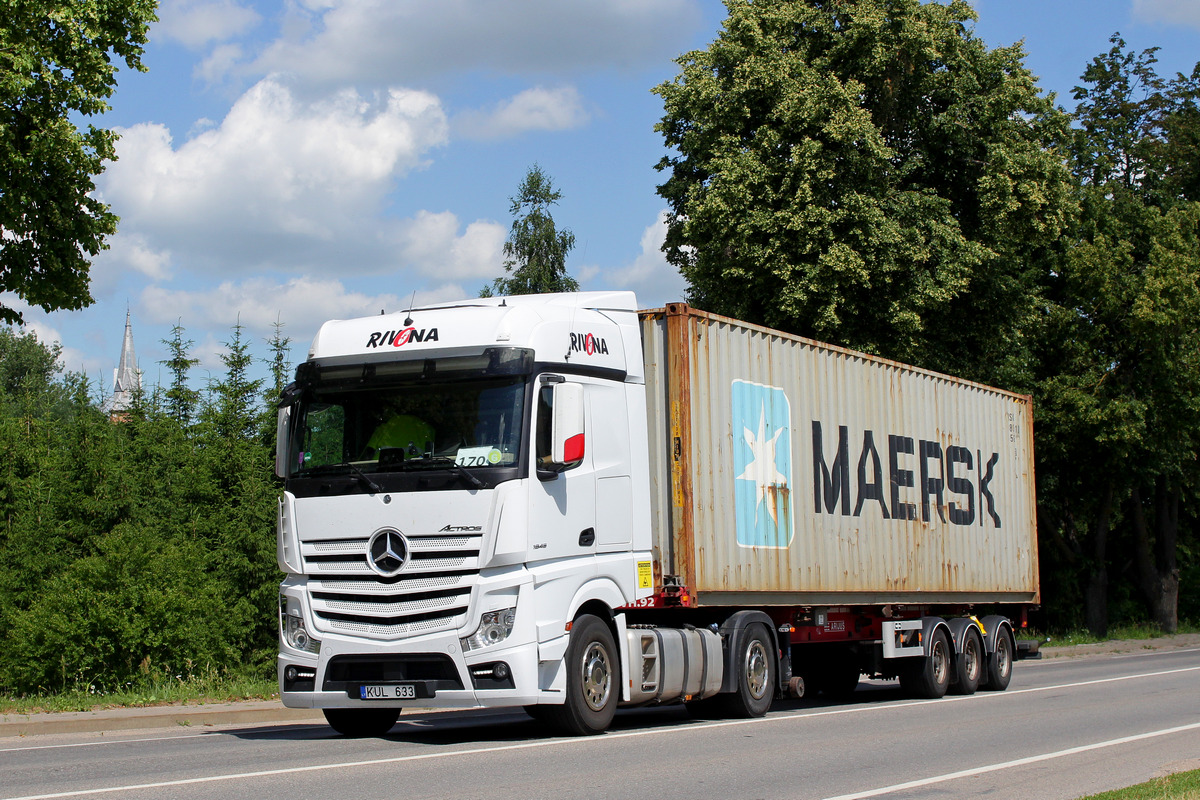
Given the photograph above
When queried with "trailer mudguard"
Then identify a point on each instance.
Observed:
(958, 632)
(929, 625)
(992, 626)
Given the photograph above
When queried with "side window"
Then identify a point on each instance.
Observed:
(544, 437)
(323, 443)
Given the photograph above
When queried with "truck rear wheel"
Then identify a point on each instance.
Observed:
(755, 664)
(1000, 663)
(969, 666)
(593, 680)
(929, 676)
(358, 723)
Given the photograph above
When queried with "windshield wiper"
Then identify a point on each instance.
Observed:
(358, 473)
(437, 462)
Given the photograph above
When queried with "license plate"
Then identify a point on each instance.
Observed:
(392, 691)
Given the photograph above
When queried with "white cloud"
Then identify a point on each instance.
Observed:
(389, 40)
(128, 252)
(300, 303)
(279, 183)
(536, 109)
(430, 242)
(1180, 12)
(219, 63)
(650, 275)
(195, 23)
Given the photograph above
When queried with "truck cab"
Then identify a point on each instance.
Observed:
(462, 483)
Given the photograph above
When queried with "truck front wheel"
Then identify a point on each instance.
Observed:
(361, 722)
(755, 665)
(593, 680)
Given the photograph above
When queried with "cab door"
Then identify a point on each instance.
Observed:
(562, 506)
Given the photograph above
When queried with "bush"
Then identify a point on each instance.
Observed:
(134, 607)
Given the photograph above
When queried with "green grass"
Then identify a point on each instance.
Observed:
(1140, 631)
(1180, 786)
(211, 687)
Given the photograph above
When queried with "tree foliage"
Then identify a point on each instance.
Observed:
(1119, 427)
(536, 251)
(134, 548)
(58, 61)
(869, 173)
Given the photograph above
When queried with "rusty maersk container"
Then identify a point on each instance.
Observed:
(786, 471)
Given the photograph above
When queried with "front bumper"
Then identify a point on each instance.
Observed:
(442, 676)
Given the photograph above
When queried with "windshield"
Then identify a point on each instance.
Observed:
(372, 428)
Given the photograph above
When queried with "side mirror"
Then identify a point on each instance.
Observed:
(283, 440)
(567, 434)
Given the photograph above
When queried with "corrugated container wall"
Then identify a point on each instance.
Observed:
(786, 471)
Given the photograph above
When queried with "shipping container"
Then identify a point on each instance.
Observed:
(785, 471)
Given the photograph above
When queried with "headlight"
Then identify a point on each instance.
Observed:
(291, 628)
(494, 627)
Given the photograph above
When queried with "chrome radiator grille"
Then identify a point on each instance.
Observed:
(431, 593)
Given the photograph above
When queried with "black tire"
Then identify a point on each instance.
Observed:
(969, 666)
(755, 666)
(929, 676)
(593, 680)
(358, 723)
(1000, 662)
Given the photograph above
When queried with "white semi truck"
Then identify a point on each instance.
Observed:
(563, 503)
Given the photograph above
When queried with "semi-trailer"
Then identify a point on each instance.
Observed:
(562, 503)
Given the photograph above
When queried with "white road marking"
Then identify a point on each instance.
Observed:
(635, 734)
(967, 773)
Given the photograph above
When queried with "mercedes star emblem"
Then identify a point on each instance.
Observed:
(387, 551)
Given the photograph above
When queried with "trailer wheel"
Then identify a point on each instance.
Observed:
(755, 665)
(929, 677)
(358, 723)
(593, 680)
(969, 666)
(1000, 663)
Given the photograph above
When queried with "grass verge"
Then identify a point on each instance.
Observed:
(1180, 786)
(151, 691)
(1144, 631)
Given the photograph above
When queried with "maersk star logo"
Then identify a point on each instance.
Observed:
(762, 462)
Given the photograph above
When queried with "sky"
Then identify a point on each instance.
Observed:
(295, 161)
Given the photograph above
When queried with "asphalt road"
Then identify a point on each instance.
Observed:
(1063, 729)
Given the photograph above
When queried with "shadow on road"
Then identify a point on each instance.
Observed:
(510, 726)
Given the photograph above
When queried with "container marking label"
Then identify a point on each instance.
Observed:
(762, 462)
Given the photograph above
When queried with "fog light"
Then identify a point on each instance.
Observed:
(290, 674)
(500, 671)
(494, 627)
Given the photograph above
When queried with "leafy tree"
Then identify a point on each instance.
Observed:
(1119, 418)
(869, 173)
(26, 365)
(536, 252)
(57, 60)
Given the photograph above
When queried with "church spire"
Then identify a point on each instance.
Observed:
(127, 379)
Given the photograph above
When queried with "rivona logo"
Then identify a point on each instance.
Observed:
(588, 343)
(402, 337)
